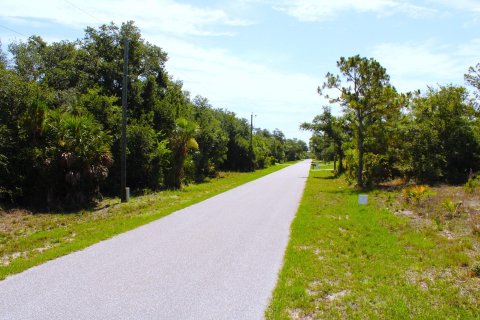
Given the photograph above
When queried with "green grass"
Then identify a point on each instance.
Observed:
(346, 261)
(27, 239)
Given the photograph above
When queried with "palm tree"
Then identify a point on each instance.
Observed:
(77, 156)
(181, 141)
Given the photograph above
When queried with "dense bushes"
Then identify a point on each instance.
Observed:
(60, 120)
(443, 142)
(147, 156)
(76, 157)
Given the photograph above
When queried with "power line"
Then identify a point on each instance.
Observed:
(66, 1)
(10, 29)
(84, 11)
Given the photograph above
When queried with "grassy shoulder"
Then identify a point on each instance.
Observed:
(354, 262)
(28, 239)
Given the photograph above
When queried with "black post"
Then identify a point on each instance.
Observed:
(251, 132)
(251, 142)
(124, 193)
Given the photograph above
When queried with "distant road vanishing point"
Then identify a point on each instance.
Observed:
(218, 259)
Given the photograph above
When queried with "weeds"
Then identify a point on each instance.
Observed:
(472, 184)
(416, 194)
(475, 224)
(452, 207)
(476, 270)
(346, 261)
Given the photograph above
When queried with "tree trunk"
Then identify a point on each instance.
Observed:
(341, 169)
(178, 167)
(334, 159)
(360, 153)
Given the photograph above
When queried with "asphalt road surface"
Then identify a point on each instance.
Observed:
(218, 259)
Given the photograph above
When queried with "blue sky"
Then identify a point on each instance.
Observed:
(268, 57)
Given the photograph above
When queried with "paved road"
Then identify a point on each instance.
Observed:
(215, 260)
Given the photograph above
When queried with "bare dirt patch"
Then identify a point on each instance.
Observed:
(297, 314)
(337, 295)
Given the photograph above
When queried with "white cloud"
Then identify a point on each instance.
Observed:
(470, 49)
(317, 10)
(280, 99)
(465, 5)
(414, 11)
(415, 65)
(162, 15)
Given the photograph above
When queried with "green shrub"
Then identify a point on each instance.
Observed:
(452, 207)
(415, 194)
(75, 160)
(472, 184)
(476, 270)
(147, 157)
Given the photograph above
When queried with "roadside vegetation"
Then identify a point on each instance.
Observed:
(60, 123)
(31, 238)
(413, 252)
(425, 137)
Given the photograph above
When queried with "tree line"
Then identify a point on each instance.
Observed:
(429, 137)
(60, 123)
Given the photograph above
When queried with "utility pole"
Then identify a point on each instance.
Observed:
(251, 142)
(125, 192)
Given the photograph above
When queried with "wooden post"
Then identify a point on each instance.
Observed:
(124, 192)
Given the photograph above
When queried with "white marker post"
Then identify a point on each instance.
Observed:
(362, 199)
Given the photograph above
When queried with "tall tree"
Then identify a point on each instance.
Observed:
(102, 58)
(365, 91)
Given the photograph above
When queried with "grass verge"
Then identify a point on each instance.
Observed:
(28, 239)
(346, 261)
